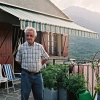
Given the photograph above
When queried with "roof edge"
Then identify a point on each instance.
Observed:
(59, 9)
(35, 11)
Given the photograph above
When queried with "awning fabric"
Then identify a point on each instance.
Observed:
(47, 23)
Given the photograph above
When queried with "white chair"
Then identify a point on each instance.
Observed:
(3, 79)
(10, 75)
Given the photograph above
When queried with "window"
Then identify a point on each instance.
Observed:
(55, 44)
(52, 43)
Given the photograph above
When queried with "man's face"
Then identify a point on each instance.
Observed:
(30, 37)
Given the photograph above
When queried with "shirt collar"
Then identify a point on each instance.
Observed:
(31, 44)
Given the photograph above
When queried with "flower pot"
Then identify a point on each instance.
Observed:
(63, 94)
(72, 96)
(50, 94)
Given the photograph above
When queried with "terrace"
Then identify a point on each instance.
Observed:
(83, 66)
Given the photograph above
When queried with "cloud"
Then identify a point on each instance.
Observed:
(65, 3)
(93, 5)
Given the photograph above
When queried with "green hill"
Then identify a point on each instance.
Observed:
(83, 48)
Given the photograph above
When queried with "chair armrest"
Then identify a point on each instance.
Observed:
(18, 73)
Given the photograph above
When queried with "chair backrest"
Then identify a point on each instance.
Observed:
(0, 71)
(8, 71)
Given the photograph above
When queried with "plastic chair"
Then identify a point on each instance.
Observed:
(10, 75)
(3, 79)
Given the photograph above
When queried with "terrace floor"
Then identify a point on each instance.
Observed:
(12, 95)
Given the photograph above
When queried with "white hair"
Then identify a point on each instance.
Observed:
(31, 29)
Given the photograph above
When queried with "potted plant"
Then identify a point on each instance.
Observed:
(62, 81)
(75, 82)
(54, 77)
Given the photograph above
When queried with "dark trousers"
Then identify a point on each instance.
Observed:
(31, 82)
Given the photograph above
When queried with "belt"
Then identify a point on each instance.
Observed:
(32, 73)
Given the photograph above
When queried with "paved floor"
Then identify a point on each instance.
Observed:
(12, 95)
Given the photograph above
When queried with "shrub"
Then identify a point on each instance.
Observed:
(55, 76)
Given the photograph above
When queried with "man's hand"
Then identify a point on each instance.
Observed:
(44, 61)
(19, 62)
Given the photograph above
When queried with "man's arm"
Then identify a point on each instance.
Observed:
(44, 56)
(18, 55)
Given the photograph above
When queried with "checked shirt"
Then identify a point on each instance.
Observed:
(31, 56)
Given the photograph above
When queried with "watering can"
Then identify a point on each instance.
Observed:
(84, 94)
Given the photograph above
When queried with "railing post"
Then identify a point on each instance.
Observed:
(88, 76)
(78, 68)
(92, 80)
(53, 61)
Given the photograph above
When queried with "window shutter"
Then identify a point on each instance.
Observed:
(50, 43)
(65, 45)
(59, 44)
(55, 49)
(44, 41)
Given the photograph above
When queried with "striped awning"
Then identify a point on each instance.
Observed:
(43, 22)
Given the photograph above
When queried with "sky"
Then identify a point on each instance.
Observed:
(93, 5)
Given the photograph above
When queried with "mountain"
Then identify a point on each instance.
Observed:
(83, 17)
(83, 48)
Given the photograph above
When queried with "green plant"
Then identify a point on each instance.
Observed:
(49, 76)
(75, 82)
(62, 75)
(55, 76)
(97, 86)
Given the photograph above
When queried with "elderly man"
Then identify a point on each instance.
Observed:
(31, 56)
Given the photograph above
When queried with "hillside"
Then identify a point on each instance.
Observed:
(83, 48)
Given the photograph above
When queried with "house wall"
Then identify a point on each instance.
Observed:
(8, 18)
